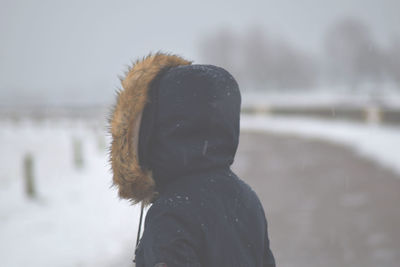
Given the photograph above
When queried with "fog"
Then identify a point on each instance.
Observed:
(71, 52)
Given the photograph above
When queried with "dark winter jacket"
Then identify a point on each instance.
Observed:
(175, 132)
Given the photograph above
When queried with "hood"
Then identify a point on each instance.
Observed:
(171, 119)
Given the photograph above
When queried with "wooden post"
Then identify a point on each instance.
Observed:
(78, 153)
(29, 176)
(373, 114)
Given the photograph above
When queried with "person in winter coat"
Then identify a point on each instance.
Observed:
(175, 131)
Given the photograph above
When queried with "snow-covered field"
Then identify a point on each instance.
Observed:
(77, 220)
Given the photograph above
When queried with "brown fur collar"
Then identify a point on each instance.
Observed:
(134, 183)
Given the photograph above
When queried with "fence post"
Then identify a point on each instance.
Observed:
(78, 153)
(373, 114)
(30, 189)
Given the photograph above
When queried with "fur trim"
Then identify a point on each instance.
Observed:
(134, 183)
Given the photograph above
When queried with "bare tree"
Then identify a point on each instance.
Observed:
(393, 61)
(291, 68)
(260, 62)
(220, 49)
(255, 62)
(352, 54)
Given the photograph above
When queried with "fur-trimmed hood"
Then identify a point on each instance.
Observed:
(171, 120)
(132, 181)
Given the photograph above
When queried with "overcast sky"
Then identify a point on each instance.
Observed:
(62, 52)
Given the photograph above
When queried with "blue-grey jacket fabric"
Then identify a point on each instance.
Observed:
(204, 214)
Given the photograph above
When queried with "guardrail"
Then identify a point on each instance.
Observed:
(371, 114)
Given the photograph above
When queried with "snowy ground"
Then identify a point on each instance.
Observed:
(76, 220)
(377, 142)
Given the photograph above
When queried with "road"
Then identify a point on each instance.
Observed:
(326, 205)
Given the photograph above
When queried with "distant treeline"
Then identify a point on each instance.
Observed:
(351, 58)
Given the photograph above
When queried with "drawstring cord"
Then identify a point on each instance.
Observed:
(139, 228)
(140, 225)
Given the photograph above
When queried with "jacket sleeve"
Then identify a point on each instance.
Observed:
(168, 240)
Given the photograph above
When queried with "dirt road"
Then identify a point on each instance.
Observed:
(326, 205)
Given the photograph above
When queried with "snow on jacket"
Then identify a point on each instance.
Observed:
(175, 131)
